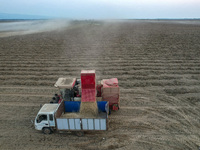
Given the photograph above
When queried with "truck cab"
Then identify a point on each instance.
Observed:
(45, 119)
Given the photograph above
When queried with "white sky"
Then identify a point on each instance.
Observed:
(104, 9)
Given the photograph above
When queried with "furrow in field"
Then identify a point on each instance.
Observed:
(28, 90)
(117, 67)
(127, 77)
(116, 63)
(26, 87)
(107, 71)
(82, 59)
(25, 94)
(25, 98)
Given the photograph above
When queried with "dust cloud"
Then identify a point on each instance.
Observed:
(30, 27)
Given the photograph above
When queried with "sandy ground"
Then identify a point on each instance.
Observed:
(158, 67)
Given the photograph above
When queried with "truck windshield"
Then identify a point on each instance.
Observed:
(41, 118)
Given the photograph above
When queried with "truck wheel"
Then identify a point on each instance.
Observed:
(79, 133)
(46, 130)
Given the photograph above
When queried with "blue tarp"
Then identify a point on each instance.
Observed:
(74, 106)
(102, 105)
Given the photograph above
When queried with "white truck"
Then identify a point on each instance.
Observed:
(66, 116)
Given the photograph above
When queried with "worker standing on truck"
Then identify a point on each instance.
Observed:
(57, 97)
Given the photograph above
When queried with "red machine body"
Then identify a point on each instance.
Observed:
(110, 92)
(88, 84)
(88, 79)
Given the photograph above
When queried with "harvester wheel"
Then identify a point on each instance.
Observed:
(115, 107)
(46, 130)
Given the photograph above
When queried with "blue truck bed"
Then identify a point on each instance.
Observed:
(78, 122)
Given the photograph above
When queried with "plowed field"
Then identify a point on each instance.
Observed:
(158, 67)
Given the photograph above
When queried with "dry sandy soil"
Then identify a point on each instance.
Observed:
(157, 64)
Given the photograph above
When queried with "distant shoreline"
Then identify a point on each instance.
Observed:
(19, 20)
(161, 19)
